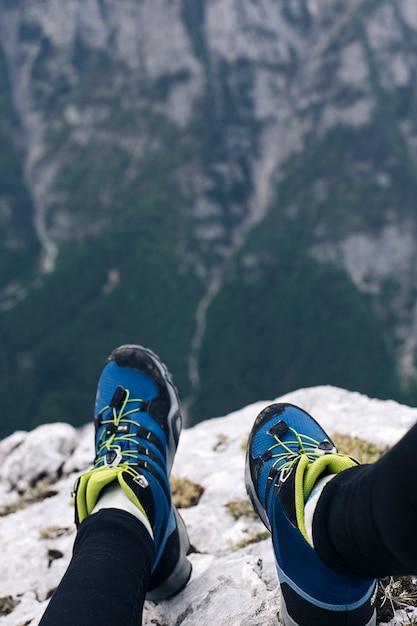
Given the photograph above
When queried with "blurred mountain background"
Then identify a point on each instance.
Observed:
(231, 183)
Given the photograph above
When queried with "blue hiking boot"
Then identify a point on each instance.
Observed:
(137, 427)
(288, 452)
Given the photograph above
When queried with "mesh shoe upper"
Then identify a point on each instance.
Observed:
(287, 453)
(137, 427)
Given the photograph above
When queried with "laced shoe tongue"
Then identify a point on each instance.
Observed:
(307, 474)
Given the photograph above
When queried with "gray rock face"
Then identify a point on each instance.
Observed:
(234, 580)
(302, 110)
(297, 73)
(27, 458)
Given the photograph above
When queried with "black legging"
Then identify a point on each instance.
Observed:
(105, 583)
(364, 524)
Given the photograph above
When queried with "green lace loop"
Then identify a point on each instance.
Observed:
(119, 441)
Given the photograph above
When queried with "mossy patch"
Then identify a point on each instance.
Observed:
(241, 508)
(53, 532)
(7, 605)
(185, 493)
(255, 538)
(360, 449)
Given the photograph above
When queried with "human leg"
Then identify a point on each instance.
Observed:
(137, 427)
(287, 454)
(364, 521)
(108, 576)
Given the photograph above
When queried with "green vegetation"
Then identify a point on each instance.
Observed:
(283, 320)
(121, 279)
(293, 324)
(126, 184)
(55, 341)
(280, 322)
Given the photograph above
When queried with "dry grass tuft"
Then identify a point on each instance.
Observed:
(241, 508)
(53, 532)
(395, 592)
(38, 493)
(255, 538)
(360, 449)
(7, 605)
(185, 493)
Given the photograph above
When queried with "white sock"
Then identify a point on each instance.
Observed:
(310, 505)
(113, 497)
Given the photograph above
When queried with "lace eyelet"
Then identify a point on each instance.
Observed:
(113, 457)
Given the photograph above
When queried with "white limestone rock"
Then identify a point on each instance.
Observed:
(230, 585)
(38, 454)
